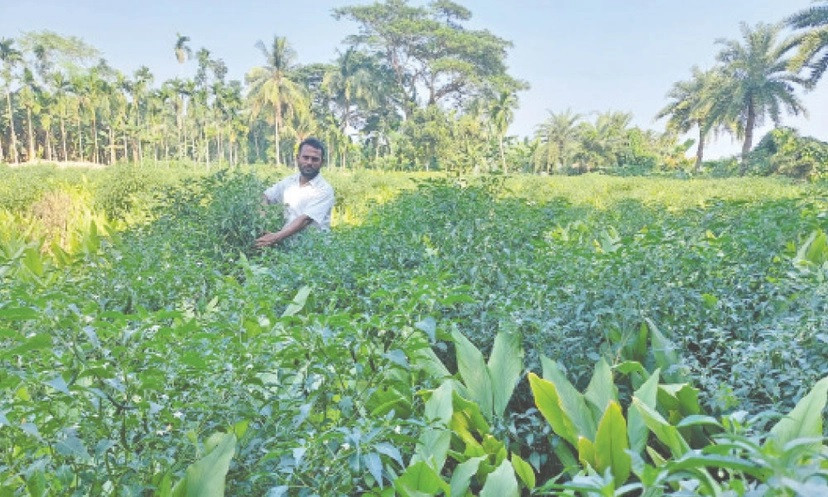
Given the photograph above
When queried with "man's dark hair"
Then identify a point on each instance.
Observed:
(313, 143)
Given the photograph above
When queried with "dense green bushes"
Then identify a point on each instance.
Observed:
(783, 151)
(317, 356)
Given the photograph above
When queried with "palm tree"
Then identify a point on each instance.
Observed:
(691, 106)
(61, 106)
(758, 82)
(30, 100)
(142, 79)
(501, 112)
(10, 57)
(350, 85)
(271, 87)
(812, 43)
(181, 49)
(558, 138)
(602, 142)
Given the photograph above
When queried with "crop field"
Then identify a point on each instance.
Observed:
(452, 335)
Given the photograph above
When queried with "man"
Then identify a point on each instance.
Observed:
(307, 198)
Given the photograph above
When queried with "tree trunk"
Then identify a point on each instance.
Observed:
(11, 127)
(276, 137)
(700, 150)
(80, 139)
(749, 124)
(94, 139)
(502, 155)
(111, 146)
(48, 145)
(63, 137)
(31, 136)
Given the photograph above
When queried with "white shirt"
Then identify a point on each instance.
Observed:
(314, 199)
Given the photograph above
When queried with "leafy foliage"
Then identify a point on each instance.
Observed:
(346, 364)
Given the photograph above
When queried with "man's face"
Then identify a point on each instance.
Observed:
(309, 161)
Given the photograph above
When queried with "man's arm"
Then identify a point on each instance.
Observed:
(287, 230)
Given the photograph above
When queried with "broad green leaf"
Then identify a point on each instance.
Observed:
(636, 428)
(567, 458)
(425, 359)
(33, 261)
(657, 459)
(37, 342)
(59, 384)
(373, 463)
(429, 327)
(805, 420)
(611, 444)
(298, 303)
(549, 404)
(501, 482)
(601, 389)
(586, 452)
(420, 479)
(814, 250)
(471, 411)
(639, 348)
(462, 475)
(664, 431)
(680, 397)
(432, 447)
(205, 477)
(628, 367)
(572, 402)
(73, 447)
(474, 372)
(439, 406)
(694, 460)
(524, 471)
(505, 367)
(698, 420)
(18, 313)
(664, 352)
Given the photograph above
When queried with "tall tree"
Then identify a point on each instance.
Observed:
(181, 49)
(558, 139)
(501, 113)
(603, 142)
(351, 85)
(691, 106)
(811, 40)
(10, 57)
(434, 58)
(272, 87)
(29, 99)
(758, 82)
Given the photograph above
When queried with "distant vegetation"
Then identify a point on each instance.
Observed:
(413, 90)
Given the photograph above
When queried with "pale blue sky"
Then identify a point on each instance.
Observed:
(587, 55)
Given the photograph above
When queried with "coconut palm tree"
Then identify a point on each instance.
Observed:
(811, 41)
(182, 51)
(501, 113)
(10, 57)
(691, 106)
(272, 87)
(350, 85)
(758, 82)
(558, 139)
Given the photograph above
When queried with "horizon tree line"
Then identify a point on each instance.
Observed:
(409, 91)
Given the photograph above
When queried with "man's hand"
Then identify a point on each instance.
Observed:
(289, 229)
(267, 240)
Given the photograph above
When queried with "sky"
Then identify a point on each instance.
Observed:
(589, 56)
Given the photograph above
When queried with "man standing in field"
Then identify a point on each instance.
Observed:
(307, 198)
